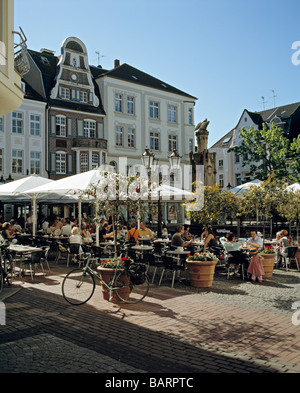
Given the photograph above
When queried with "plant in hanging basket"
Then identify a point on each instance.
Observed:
(201, 256)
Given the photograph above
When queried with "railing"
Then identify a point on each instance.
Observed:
(21, 58)
(99, 143)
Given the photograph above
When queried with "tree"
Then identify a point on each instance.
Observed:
(213, 205)
(290, 208)
(268, 150)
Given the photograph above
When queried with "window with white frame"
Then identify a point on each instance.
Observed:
(61, 126)
(89, 129)
(17, 162)
(83, 96)
(64, 93)
(221, 163)
(1, 124)
(221, 180)
(61, 163)
(153, 110)
(172, 142)
(84, 162)
(154, 140)
(35, 163)
(130, 105)
(172, 113)
(17, 122)
(95, 160)
(119, 136)
(35, 125)
(131, 137)
(1, 160)
(190, 116)
(237, 158)
(118, 102)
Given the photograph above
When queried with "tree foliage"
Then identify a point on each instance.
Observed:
(268, 150)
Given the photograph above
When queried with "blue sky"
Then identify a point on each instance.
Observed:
(228, 54)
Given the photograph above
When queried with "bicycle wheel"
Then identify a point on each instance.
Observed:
(136, 292)
(78, 286)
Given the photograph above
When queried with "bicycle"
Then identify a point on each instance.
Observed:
(79, 284)
(6, 266)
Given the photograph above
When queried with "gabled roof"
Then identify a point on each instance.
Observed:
(47, 63)
(225, 141)
(130, 74)
(284, 112)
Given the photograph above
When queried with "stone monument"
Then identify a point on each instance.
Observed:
(202, 156)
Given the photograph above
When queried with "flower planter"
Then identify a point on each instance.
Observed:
(268, 264)
(201, 273)
(298, 255)
(107, 274)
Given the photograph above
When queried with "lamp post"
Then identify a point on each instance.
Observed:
(148, 159)
(175, 159)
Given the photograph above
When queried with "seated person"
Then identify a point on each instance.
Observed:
(210, 239)
(133, 233)
(144, 231)
(85, 234)
(187, 236)
(283, 243)
(255, 240)
(105, 233)
(177, 240)
(66, 228)
(75, 237)
(6, 232)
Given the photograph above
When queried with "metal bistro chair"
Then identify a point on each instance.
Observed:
(289, 255)
(36, 258)
(74, 251)
(170, 265)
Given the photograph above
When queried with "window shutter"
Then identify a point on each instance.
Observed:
(77, 95)
(52, 125)
(69, 163)
(59, 91)
(73, 94)
(91, 96)
(69, 127)
(100, 130)
(52, 162)
(79, 128)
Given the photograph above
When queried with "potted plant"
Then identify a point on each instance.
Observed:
(106, 270)
(268, 254)
(201, 268)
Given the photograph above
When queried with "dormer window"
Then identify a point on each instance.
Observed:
(64, 93)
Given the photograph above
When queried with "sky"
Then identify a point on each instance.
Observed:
(229, 54)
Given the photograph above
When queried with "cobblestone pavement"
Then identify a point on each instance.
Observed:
(235, 326)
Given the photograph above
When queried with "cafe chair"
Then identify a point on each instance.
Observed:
(170, 265)
(36, 258)
(289, 255)
(157, 263)
(74, 251)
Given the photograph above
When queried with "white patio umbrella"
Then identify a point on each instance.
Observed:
(16, 191)
(293, 187)
(168, 192)
(244, 188)
(74, 186)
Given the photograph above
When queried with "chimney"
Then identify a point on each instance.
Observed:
(117, 63)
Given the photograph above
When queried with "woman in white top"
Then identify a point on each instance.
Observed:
(75, 237)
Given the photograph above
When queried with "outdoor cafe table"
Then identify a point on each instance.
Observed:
(198, 244)
(177, 254)
(141, 248)
(163, 241)
(23, 250)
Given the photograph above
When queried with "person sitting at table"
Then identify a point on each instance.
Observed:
(164, 230)
(177, 240)
(66, 228)
(283, 243)
(255, 240)
(75, 236)
(144, 231)
(105, 233)
(85, 234)
(5, 232)
(133, 233)
(187, 236)
(15, 226)
(57, 230)
(210, 240)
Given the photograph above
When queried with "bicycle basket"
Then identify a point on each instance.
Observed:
(137, 273)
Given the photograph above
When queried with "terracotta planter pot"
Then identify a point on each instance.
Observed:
(201, 273)
(298, 255)
(107, 275)
(268, 264)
